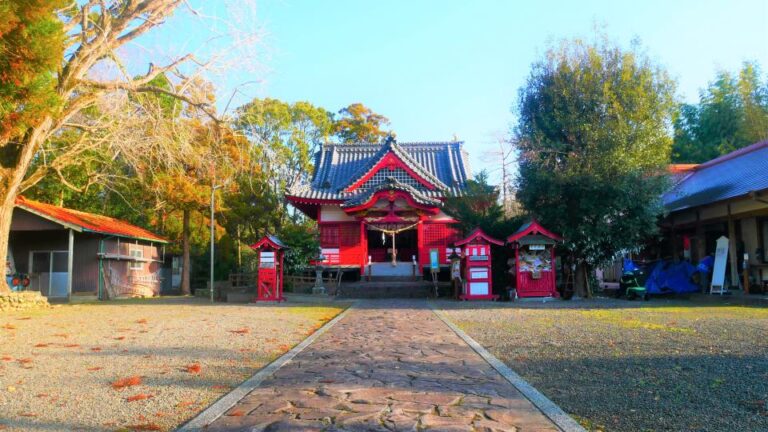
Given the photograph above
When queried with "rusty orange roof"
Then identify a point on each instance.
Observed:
(681, 168)
(88, 222)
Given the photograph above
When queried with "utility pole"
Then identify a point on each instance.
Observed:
(213, 202)
(213, 197)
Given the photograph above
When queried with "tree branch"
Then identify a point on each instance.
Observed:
(131, 84)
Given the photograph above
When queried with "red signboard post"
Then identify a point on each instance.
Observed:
(270, 277)
(535, 260)
(477, 265)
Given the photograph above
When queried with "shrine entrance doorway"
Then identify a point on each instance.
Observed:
(380, 245)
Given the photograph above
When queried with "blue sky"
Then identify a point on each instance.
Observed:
(442, 68)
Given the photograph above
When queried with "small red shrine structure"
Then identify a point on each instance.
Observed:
(476, 254)
(269, 286)
(378, 206)
(534, 260)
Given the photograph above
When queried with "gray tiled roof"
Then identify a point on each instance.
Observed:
(729, 176)
(392, 184)
(339, 165)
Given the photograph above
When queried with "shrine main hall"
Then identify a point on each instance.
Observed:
(382, 203)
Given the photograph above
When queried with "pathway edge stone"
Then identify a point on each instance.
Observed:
(223, 404)
(559, 417)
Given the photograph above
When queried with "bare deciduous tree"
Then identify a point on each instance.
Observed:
(503, 158)
(95, 31)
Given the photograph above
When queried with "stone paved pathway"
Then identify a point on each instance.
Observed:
(389, 365)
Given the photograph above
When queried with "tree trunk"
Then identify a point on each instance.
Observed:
(12, 174)
(581, 286)
(6, 210)
(185, 285)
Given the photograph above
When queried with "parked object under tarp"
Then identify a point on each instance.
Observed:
(672, 278)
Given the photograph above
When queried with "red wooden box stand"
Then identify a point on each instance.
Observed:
(535, 260)
(476, 256)
(270, 276)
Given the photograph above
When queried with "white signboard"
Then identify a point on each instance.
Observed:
(537, 247)
(478, 288)
(718, 274)
(267, 259)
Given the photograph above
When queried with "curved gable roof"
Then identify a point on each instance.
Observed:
(337, 165)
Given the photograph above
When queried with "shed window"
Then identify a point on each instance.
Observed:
(136, 254)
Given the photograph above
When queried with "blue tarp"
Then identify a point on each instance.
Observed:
(629, 266)
(669, 277)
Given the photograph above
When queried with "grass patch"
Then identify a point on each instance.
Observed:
(624, 367)
(620, 318)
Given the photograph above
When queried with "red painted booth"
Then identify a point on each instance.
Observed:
(270, 277)
(534, 260)
(476, 256)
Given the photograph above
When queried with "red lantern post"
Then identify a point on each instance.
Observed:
(270, 276)
(476, 254)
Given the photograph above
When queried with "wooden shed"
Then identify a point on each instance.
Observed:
(67, 252)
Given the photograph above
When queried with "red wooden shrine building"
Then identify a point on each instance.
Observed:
(476, 255)
(535, 260)
(270, 276)
(381, 203)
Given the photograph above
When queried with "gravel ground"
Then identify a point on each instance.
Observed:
(665, 365)
(140, 364)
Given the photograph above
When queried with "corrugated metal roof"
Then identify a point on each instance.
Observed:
(89, 222)
(735, 174)
(339, 165)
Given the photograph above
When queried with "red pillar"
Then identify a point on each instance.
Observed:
(420, 244)
(517, 269)
(363, 249)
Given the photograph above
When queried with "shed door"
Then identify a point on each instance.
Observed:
(59, 274)
(49, 273)
(40, 274)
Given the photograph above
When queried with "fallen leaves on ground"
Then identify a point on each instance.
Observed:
(27, 414)
(96, 349)
(41, 345)
(194, 368)
(9, 326)
(145, 427)
(243, 330)
(25, 360)
(61, 335)
(120, 338)
(236, 413)
(138, 397)
(6, 358)
(95, 368)
(142, 321)
(127, 382)
(72, 346)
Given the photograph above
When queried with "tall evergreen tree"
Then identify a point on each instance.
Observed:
(594, 139)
